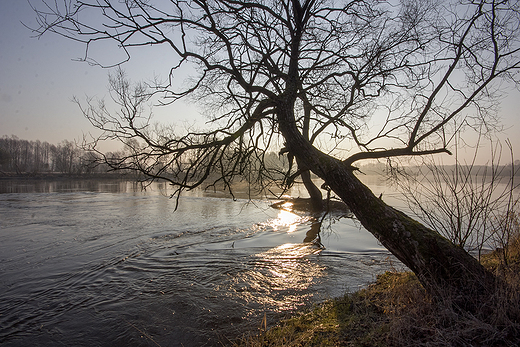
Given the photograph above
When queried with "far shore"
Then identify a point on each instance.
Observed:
(62, 176)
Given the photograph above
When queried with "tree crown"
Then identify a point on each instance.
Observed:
(363, 79)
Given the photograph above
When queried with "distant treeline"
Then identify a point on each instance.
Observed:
(18, 157)
(21, 157)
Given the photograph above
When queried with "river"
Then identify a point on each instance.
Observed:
(105, 263)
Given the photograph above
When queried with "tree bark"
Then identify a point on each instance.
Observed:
(442, 267)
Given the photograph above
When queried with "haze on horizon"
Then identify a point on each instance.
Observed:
(39, 78)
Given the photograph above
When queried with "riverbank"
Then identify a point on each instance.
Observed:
(397, 311)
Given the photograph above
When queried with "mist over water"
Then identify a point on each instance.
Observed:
(94, 263)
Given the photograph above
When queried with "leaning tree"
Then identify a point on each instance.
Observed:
(327, 82)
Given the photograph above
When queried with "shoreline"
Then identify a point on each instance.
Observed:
(61, 176)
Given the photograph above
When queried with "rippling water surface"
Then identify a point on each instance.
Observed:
(92, 263)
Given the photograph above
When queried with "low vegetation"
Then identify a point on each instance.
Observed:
(397, 311)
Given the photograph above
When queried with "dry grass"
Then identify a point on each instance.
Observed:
(396, 311)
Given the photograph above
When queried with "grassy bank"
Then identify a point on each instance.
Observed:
(396, 311)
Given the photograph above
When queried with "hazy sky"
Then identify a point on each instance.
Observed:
(39, 77)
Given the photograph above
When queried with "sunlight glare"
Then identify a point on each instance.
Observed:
(286, 219)
(284, 273)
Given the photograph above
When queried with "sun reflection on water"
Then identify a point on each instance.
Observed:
(286, 219)
(279, 277)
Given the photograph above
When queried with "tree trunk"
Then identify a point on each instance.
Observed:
(442, 267)
(314, 192)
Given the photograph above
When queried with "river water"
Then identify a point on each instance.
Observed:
(96, 263)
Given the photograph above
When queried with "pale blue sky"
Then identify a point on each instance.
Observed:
(39, 77)
(38, 80)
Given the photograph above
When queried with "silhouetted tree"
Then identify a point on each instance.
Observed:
(328, 82)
